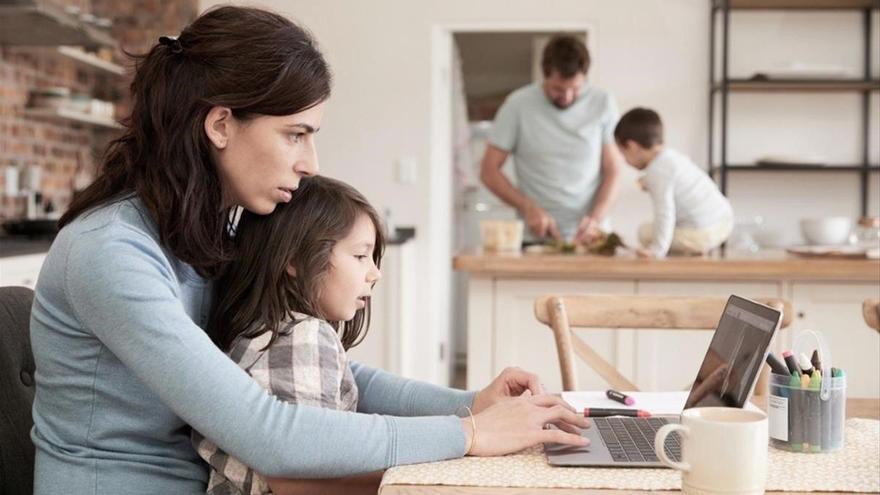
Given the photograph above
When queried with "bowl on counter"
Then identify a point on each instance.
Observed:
(828, 231)
(501, 235)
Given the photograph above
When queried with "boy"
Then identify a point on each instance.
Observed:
(691, 216)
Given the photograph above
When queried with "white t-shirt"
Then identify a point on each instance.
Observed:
(683, 196)
(557, 153)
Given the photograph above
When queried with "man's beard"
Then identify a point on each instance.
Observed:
(560, 105)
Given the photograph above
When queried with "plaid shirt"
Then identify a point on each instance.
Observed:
(305, 365)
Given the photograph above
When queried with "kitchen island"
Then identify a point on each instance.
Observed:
(826, 295)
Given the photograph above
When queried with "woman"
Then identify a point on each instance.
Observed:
(224, 115)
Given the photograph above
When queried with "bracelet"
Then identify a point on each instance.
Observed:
(474, 428)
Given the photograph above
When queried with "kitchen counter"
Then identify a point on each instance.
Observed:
(764, 265)
(825, 295)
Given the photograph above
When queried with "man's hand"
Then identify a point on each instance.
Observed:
(645, 253)
(588, 229)
(540, 223)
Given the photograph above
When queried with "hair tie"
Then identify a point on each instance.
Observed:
(171, 42)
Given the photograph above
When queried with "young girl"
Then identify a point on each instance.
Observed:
(222, 116)
(296, 300)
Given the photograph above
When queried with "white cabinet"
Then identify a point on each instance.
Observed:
(836, 311)
(21, 270)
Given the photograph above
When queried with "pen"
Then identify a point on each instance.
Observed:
(619, 397)
(601, 412)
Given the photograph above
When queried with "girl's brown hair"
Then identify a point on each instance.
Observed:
(255, 293)
(249, 60)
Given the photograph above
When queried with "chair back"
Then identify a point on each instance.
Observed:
(16, 392)
(564, 312)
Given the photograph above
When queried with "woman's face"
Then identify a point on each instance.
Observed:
(262, 160)
(345, 287)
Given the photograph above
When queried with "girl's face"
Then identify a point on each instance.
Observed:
(352, 273)
(262, 160)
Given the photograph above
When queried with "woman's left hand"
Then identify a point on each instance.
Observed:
(512, 382)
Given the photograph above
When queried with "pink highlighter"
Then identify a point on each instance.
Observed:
(620, 397)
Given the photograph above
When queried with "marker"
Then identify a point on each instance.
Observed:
(815, 412)
(805, 411)
(806, 365)
(601, 412)
(619, 397)
(838, 410)
(815, 360)
(791, 362)
(795, 421)
(776, 365)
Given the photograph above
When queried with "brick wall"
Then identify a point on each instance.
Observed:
(62, 149)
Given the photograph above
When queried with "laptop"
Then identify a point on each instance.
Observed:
(726, 378)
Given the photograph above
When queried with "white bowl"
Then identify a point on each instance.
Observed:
(826, 231)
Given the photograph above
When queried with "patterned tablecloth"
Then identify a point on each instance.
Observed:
(855, 468)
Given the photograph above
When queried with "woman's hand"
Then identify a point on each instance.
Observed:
(511, 382)
(518, 423)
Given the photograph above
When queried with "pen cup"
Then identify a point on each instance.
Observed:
(801, 419)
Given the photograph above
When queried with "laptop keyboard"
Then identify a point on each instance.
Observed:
(632, 439)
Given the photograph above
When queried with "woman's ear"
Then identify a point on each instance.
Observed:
(218, 125)
(291, 270)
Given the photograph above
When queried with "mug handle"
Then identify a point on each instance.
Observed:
(660, 442)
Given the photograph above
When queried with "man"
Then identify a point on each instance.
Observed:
(561, 135)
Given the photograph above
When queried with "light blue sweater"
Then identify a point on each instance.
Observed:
(123, 366)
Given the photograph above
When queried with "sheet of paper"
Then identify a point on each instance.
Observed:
(654, 402)
(657, 403)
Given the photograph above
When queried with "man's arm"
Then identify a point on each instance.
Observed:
(539, 221)
(495, 181)
(612, 161)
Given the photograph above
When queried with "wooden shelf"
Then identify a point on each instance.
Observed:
(800, 85)
(89, 60)
(796, 167)
(38, 24)
(71, 116)
(798, 4)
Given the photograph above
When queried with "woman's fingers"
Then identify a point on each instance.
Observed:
(562, 425)
(559, 436)
(559, 413)
(548, 400)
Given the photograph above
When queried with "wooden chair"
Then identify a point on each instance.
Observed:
(871, 312)
(564, 312)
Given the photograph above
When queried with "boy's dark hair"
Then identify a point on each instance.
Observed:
(641, 125)
(252, 61)
(566, 55)
(255, 293)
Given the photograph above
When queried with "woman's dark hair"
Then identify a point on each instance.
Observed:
(566, 55)
(641, 125)
(251, 61)
(255, 293)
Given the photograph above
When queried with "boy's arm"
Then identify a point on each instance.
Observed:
(380, 392)
(661, 190)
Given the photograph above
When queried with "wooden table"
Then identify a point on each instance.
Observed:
(855, 408)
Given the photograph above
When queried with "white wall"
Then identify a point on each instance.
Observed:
(646, 52)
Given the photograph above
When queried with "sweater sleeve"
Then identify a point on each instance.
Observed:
(662, 192)
(122, 289)
(383, 393)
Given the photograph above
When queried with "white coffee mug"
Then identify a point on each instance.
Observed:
(724, 450)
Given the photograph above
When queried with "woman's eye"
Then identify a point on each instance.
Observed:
(297, 137)
(361, 257)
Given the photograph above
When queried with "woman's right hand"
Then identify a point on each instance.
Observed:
(519, 423)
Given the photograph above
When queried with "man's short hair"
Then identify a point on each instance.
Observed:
(566, 55)
(641, 125)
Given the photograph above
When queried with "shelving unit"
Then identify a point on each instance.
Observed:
(64, 114)
(720, 89)
(91, 61)
(39, 23)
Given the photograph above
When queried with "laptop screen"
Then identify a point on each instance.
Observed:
(735, 356)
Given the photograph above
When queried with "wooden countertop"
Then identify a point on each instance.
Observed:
(765, 265)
